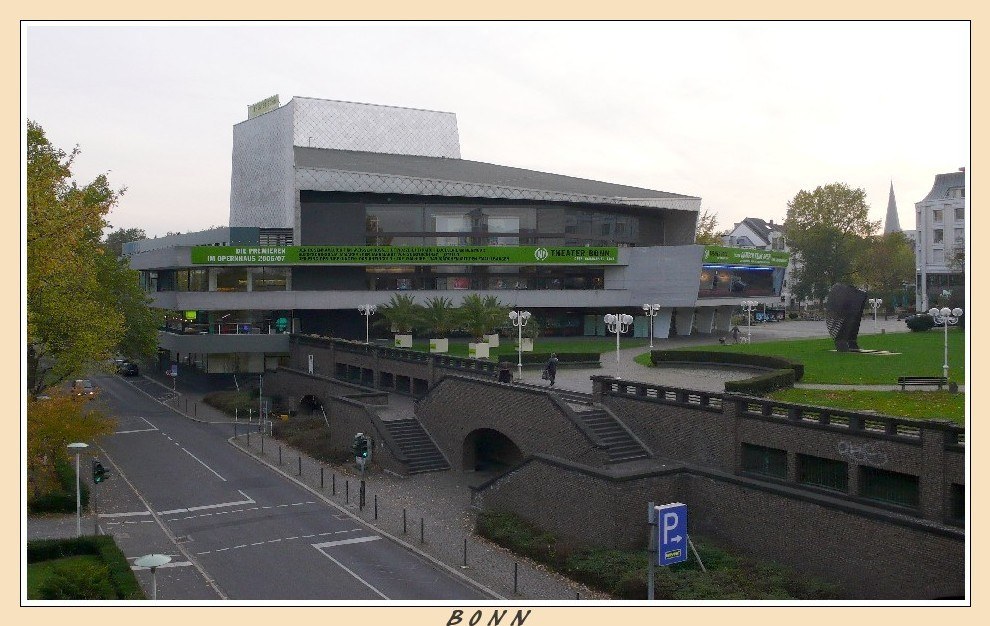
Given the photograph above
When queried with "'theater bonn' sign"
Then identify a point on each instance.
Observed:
(403, 255)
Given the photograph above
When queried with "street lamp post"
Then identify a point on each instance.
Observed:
(153, 562)
(519, 319)
(77, 448)
(651, 311)
(875, 303)
(367, 310)
(945, 313)
(749, 305)
(617, 324)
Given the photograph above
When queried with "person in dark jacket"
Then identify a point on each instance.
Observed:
(504, 373)
(550, 369)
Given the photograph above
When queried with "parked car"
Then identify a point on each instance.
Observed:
(83, 387)
(126, 368)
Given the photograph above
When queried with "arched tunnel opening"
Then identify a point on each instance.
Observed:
(488, 450)
(310, 404)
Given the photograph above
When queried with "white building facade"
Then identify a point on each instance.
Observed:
(941, 236)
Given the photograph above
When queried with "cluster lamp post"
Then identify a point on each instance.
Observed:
(519, 319)
(945, 314)
(77, 448)
(875, 304)
(651, 311)
(749, 305)
(618, 324)
(367, 310)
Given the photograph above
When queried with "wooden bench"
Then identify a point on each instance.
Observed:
(939, 381)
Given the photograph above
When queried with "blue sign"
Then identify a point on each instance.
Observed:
(672, 533)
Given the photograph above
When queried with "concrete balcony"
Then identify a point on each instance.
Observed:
(224, 344)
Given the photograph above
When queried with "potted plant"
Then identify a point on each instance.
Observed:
(529, 333)
(402, 314)
(438, 317)
(479, 316)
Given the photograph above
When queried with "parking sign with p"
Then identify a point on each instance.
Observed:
(672, 533)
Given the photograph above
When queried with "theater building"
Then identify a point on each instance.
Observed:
(334, 205)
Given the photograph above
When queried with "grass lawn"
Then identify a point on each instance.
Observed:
(37, 572)
(918, 354)
(913, 404)
(542, 345)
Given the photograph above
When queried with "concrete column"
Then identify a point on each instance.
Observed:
(931, 483)
(723, 319)
(705, 320)
(685, 320)
(661, 323)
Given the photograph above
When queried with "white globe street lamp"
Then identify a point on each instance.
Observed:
(945, 314)
(651, 310)
(153, 562)
(77, 448)
(875, 303)
(519, 319)
(617, 324)
(749, 305)
(367, 310)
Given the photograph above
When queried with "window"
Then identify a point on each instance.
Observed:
(231, 279)
(957, 192)
(825, 473)
(763, 460)
(960, 235)
(269, 278)
(957, 503)
(937, 235)
(960, 214)
(890, 487)
(937, 216)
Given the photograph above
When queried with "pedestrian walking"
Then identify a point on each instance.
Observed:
(735, 334)
(504, 373)
(550, 369)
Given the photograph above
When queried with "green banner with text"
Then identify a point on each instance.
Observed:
(404, 255)
(744, 256)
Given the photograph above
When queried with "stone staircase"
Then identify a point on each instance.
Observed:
(422, 453)
(621, 446)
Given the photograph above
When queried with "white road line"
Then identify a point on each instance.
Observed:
(172, 564)
(132, 513)
(149, 423)
(204, 464)
(343, 567)
(288, 538)
(243, 545)
(340, 542)
(259, 543)
(206, 506)
(128, 432)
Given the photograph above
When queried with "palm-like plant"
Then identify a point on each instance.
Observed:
(401, 313)
(480, 315)
(438, 316)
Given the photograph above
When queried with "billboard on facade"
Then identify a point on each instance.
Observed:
(268, 104)
(404, 255)
(744, 256)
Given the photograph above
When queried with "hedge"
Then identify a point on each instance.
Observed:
(763, 384)
(64, 500)
(103, 546)
(729, 358)
(920, 322)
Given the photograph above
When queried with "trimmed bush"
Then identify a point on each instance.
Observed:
(763, 384)
(728, 358)
(229, 401)
(78, 581)
(920, 323)
(118, 569)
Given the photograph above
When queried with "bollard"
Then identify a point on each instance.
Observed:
(403, 521)
(300, 467)
(262, 443)
(465, 552)
(578, 595)
(347, 492)
(280, 454)
(515, 577)
(187, 405)
(249, 438)
(422, 539)
(321, 478)
(194, 408)
(334, 476)
(376, 506)
(361, 496)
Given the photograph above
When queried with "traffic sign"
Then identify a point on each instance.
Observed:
(175, 370)
(672, 538)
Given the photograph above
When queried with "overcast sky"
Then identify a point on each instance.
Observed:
(741, 114)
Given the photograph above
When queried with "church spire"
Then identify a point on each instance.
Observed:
(891, 224)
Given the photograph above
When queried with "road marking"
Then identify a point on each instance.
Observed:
(207, 506)
(130, 514)
(172, 564)
(288, 538)
(203, 464)
(320, 546)
(143, 430)
(340, 542)
(148, 423)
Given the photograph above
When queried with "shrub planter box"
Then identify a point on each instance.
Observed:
(403, 341)
(478, 350)
(527, 344)
(492, 340)
(438, 345)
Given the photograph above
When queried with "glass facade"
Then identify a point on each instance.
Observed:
(721, 281)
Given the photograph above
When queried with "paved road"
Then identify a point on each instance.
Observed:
(241, 531)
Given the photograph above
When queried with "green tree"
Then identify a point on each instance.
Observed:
(886, 263)
(114, 241)
(826, 228)
(401, 314)
(707, 232)
(76, 291)
(481, 315)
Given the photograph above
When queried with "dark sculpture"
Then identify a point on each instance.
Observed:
(843, 313)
